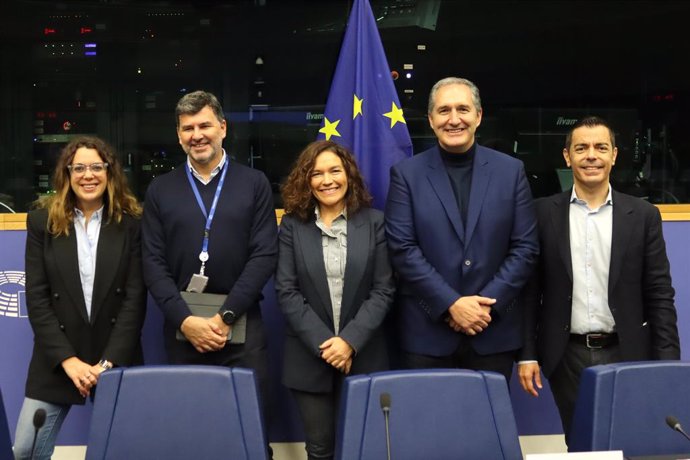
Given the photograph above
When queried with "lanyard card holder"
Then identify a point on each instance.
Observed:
(197, 283)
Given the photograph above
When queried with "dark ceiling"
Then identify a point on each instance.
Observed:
(520, 52)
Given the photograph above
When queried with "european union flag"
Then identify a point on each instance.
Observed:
(363, 111)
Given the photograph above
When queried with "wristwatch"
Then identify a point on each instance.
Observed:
(105, 364)
(228, 317)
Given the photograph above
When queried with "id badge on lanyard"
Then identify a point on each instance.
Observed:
(200, 280)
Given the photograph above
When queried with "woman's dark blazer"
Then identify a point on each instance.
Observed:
(304, 298)
(57, 311)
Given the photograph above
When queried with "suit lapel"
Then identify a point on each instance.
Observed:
(110, 246)
(440, 182)
(623, 222)
(481, 176)
(357, 257)
(67, 259)
(310, 235)
(559, 214)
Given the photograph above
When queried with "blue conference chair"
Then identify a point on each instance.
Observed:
(435, 413)
(624, 407)
(176, 412)
(5, 442)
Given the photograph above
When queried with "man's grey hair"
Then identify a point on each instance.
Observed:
(193, 103)
(455, 81)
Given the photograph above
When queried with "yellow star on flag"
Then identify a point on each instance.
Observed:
(329, 129)
(357, 107)
(396, 115)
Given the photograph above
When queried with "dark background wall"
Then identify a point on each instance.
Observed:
(537, 63)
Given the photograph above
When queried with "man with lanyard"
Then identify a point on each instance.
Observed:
(209, 226)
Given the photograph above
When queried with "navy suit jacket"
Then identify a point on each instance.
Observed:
(640, 291)
(304, 298)
(438, 259)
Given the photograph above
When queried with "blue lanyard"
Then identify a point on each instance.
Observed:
(203, 255)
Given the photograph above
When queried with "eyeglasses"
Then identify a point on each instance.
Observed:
(95, 168)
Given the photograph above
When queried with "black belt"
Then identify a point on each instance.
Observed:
(595, 340)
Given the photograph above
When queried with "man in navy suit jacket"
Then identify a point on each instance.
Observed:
(462, 236)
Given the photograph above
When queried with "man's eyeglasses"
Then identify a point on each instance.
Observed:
(95, 168)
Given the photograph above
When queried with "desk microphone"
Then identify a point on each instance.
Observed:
(39, 420)
(675, 425)
(385, 400)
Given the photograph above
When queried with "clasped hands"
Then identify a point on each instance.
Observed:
(338, 353)
(470, 315)
(84, 376)
(205, 334)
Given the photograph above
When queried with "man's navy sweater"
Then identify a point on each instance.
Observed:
(242, 247)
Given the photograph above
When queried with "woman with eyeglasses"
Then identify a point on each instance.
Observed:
(84, 289)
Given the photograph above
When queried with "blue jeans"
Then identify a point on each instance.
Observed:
(45, 441)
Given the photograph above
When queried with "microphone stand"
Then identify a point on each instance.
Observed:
(385, 400)
(39, 420)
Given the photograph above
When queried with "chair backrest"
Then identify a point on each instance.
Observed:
(5, 442)
(433, 414)
(624, 407)
(176, 412)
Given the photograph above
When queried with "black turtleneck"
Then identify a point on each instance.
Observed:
(459, 168)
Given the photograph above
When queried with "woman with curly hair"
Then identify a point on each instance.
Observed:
(84, 289)
(334, 284)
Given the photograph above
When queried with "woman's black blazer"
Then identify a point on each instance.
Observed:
(57, 311)
(304, 298)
